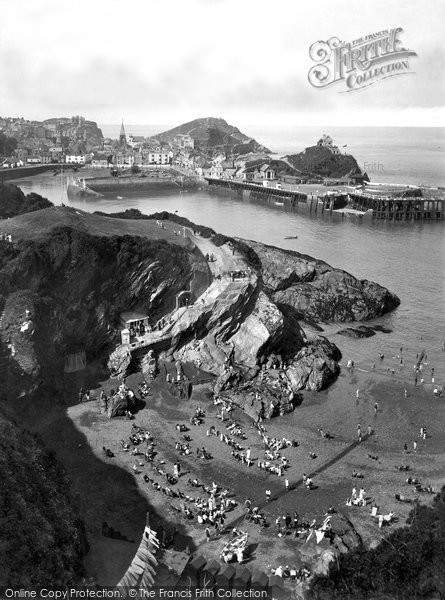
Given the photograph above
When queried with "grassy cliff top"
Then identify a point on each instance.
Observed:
(37, 224)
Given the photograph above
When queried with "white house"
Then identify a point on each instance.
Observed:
(159, 157)
(75, 159)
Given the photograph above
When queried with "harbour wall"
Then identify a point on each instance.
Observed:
(121, 184)
(383, 208)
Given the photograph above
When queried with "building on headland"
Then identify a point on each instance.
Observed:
(326, 142)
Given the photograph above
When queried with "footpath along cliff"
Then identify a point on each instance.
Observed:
(64, 280)
(75, 276)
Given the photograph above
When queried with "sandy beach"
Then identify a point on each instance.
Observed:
(337, 411)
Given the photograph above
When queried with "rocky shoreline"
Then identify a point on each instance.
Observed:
(245, 324)
(252, 317)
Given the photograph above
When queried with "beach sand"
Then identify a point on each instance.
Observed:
(337, 410)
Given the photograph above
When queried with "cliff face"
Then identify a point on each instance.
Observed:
(317, 291)
(76, 285)
(43, 538)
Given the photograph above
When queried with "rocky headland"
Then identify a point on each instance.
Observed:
(75, 276)
(68, 275)
(321, 161)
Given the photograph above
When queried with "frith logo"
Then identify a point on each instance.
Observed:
(360, 63)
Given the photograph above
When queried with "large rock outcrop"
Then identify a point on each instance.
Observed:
(314, 367)
(82, 283)
(317, 291)
(322, 162)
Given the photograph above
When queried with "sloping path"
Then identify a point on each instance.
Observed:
(226, 259)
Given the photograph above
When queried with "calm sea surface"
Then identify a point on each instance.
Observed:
(409, 259)
(413, 155)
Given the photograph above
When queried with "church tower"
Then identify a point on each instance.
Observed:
(122, 137)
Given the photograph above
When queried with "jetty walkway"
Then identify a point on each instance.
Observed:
(391, 206)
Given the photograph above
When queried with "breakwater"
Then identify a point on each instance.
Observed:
(120, 184)
(19, 172)
(382, 207)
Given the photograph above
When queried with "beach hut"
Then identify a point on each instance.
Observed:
(210, 572)
(259, 580)
(225, 576)
(242, 577)
(276, 587)
(195, 567)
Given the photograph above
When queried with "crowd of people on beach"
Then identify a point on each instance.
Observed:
(208, 505)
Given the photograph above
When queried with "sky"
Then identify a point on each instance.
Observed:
(159, 61)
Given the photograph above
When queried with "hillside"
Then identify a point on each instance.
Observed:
(14, 202)
(212, 134)
(75, 285)
(43, 538)
(406, 564)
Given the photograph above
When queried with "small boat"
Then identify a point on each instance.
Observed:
(291, 237)
(119, 197)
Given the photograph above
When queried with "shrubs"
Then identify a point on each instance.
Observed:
(43, 537)
(206, 232)
(14, 202)
(408, 563)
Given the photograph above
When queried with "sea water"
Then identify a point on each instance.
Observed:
(407, 258)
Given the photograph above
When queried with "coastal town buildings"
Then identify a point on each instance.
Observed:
(183, 141)
(52, 140)
(101, 161)
(76, 159)
(159, 157)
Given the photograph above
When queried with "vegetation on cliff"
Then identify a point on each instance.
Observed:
(14, 202)
(77, 284)
(42, 536)
(322, 162)
(211, 134)
(408, 563)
